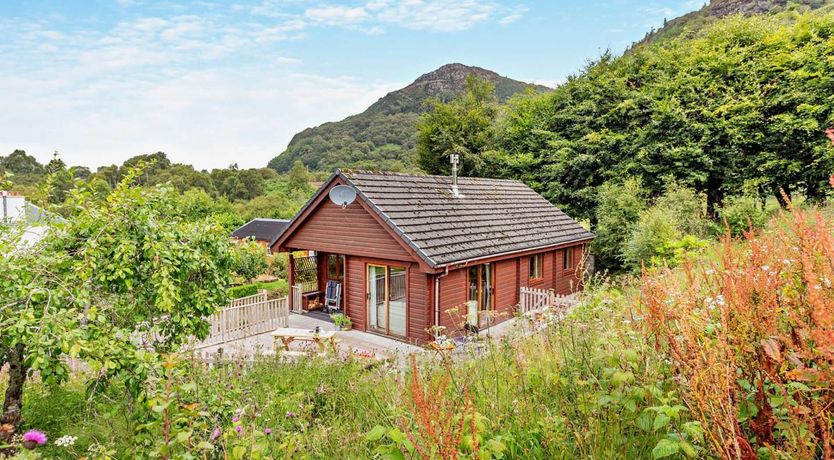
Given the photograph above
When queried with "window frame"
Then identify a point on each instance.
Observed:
(568, 259)
(536, 264)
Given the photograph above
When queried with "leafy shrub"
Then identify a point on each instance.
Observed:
(652, 233)
(243, 291)
(618, 210)
(249, 260)
(279, 264)
(750, 334)
(687, 208)
(743, 213)
(668, 231)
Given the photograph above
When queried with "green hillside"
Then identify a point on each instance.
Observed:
(717, 9)
(383, 136)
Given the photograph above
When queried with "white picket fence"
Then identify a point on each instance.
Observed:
(531, 299)
(245, 317)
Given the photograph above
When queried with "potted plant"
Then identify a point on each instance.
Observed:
(342, 321)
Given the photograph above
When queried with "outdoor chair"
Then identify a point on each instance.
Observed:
(332, 296)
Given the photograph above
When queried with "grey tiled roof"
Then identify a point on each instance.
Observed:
(261, 229)
(492, 216)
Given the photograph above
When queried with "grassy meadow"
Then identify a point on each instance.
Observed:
(725, 356)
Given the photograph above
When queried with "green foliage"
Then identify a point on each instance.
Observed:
(298, 179)
(115, 271)
(460, 127)
(249, 260)
(673, 228)
(743, 213)
(245, 290)
(620, 206)
(384, 137)
(588, 386)
(743, 100)
(341, 320)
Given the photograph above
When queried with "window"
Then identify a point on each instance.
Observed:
(567, 259)
(536, 264)
(481, 296)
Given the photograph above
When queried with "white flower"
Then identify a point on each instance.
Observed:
(66, 441)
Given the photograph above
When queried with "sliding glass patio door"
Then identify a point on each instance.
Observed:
(386, 294)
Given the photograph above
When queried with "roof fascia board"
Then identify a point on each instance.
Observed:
(511, 254)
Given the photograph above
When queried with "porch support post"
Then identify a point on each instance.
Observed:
(291, 281)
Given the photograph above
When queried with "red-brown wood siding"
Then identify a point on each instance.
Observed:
(418, 318)
(356, 282)
(567, 280)
(453, 297)
(351, 230)
(355, 291)
(506, 289)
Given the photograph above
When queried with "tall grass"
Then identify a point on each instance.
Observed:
(588, 386)
(751, 336)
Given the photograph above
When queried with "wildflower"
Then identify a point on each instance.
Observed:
(291, 414)
(34, 438)
(235, 419)
(66, 441)
(238, 428)
(267, 431)
(215, 434)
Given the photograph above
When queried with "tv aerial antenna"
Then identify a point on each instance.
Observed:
(342, 195)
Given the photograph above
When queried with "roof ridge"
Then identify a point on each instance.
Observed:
(351, 174)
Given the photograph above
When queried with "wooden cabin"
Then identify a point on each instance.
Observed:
(410, 253)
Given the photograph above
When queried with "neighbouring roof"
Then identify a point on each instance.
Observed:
(261, 229)
(491, 217)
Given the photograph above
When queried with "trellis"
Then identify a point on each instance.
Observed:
(306, 273)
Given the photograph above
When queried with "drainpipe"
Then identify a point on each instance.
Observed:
(437, 296)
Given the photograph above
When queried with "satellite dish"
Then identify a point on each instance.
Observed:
(342, 195)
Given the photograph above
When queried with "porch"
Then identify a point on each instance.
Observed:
(347, 342)
(311, 272)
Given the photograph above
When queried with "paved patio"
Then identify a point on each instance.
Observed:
(348, 341)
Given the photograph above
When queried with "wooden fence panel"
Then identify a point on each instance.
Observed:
(246, 317)
(531, 299)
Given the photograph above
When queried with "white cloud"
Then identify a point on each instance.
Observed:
(337, 15)
(206, 91)
(209, 88)
(440, 15)
(206, 118)
(510, 19)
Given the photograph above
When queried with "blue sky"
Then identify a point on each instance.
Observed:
(217, 82)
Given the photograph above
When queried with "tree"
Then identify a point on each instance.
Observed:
(740, 101)
(620, 206)
(249, 260)
(298, 178)
(462, 126)
(18, 162)
(118, 282)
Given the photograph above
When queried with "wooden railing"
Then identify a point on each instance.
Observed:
(295, 291)
(245, 317)
(531, 299)
(254, 298)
